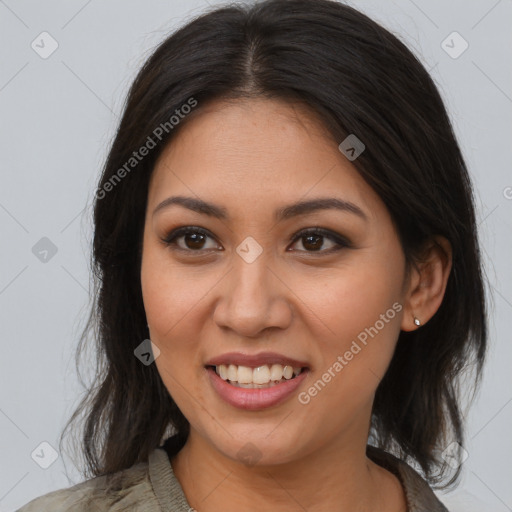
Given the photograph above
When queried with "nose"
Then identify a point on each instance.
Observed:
(253, 300)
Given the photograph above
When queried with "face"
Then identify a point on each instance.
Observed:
(318, 288)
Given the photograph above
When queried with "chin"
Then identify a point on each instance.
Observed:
(257, 448)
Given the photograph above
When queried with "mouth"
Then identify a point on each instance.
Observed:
(260, 377)
(255, 381)
(257, 388)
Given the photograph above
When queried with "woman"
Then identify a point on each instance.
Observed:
(289, 282)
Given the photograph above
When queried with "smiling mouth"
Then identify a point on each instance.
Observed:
(264, 376)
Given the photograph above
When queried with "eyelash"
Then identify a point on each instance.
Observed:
(342, 242)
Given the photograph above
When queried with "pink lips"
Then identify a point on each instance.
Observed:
(254, 399)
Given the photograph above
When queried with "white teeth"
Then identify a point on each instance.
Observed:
(288, 372)
(261, 375)
(276, 372)
(223, 372)
(244, 375)
(232, 372)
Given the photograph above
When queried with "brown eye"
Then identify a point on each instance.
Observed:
(194, 240)
(189, 239)
(313, 240)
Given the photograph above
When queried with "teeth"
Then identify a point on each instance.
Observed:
(260, 375)
(232, 372)
(276, 372)
(222, 371)
(265, 374)
(244, 375)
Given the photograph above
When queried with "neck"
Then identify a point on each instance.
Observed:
(337, 477)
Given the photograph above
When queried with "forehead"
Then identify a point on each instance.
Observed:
(257, 152)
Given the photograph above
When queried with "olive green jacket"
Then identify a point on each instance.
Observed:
(152, 487)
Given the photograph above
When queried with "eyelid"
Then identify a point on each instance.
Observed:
(339, 240)
(169, 239)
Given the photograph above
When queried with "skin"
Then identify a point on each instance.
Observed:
(252, 157)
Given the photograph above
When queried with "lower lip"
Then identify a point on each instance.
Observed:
(252, 398)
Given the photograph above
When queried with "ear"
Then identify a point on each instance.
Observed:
(427, 283)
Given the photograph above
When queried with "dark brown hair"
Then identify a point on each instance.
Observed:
(359, 79)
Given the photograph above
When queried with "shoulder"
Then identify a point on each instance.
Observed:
(463, 501)
(130, 489)
(420, 497)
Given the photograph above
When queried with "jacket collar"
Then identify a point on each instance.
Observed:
(419, 495)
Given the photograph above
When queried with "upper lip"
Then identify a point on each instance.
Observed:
(255, 360)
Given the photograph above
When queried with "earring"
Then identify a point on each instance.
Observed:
(416, 321)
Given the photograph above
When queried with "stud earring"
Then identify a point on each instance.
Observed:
(416, 321)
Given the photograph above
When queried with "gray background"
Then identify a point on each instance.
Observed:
(58, 116)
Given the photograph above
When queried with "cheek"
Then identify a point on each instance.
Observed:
(174, 302)
(363, 317)
(354, 298)
(170, 301)
(170, 295)
(166, 303)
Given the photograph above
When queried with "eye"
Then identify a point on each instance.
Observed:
(313, 240)
(193, 239)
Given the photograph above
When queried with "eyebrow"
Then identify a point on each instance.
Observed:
(283, 213)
